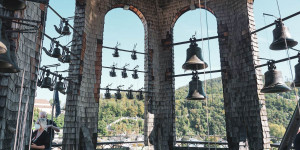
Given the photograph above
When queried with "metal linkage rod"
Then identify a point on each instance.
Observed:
(197, 40)
(122, 69)
(188, 74)
(55, 74)
(63, 19)
(64, 47)
(123, 50)
(283, 19)
(278, 61)
(123, 90)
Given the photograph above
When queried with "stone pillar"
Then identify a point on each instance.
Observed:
(25, 49)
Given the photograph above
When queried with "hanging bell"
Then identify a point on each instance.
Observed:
(297, 72)
(47, 82)
(196, 91)
(118, 94)
(140, 96)
(107, 95)
(273, 80)
(124, 73)
(135, 75)
(59, 86)
(133, 55)
(7, 65)
(67, 58)
(56, 52)
(14, 4)
(281, 37)
(66, 29)
(129, 95)
(112, 73)
(3, 48)
(194, 60)
(116, 53)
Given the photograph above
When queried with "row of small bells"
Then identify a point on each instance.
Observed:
(282, 40)
(112, 73)
(118, 95)
(133, 54)
(47, 82)
(273, 78)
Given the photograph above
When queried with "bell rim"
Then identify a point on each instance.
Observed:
(284, 88)
(194, 66)
(291, 42)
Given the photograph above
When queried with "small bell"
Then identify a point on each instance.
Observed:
(194, 60)
(196, 91)
(56, 52)
(133, 55)
(282, 38)
(59, 86)
(47, 82)
(273, 80)
(129, 94)
(116, 53)
(14, 4)
(140, 96)
(107, 95)
(118, 94)
(297, 72)
(124, 73)
(112, 73)
(135, 75)
(66, 29)
(67, 58)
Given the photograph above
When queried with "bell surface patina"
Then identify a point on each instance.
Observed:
(282, 38)
(194, 60)
(273, 80)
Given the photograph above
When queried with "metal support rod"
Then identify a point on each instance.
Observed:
(123, 69)
(188, 74)
(283, 19)
(123, 50)
(13, 18)
(278, 61)
(64, 47)
(123, 90)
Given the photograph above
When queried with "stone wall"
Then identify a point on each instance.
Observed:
(25, 49)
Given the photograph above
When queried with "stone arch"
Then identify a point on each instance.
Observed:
(186, 9)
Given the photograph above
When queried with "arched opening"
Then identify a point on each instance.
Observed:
(122, 119)
(198, 120)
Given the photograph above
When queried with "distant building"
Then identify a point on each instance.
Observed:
(43, 105)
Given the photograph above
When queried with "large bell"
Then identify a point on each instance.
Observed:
(14, 4)
(140, 96)
(129, 95)
(194, 60)
(273, 80)
(281, 37)
(7, 65)
(56, 52)
(196, 91)
(297, 76)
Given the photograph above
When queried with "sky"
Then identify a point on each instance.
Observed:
(125, 27)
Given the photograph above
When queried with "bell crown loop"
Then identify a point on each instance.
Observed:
(271, 65)
(193, 41)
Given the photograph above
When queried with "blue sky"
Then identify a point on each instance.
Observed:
(126, 28)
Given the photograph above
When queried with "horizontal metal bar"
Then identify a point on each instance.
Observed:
(57, 75)
(197, 40)
(123, 50)
(13, 18)
(122, 69)
(204, 72)
(283, 19)
(203, 142)
(124, 90)
(278, 61)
